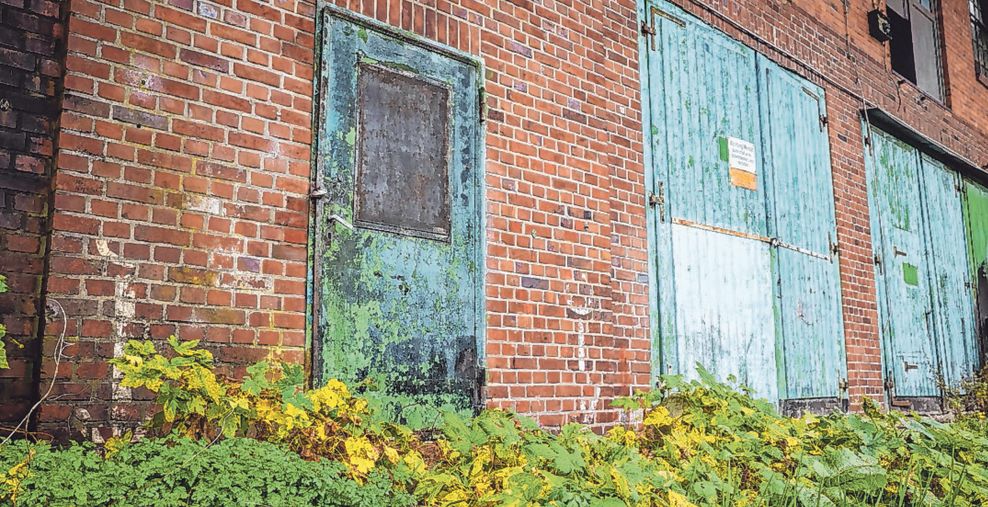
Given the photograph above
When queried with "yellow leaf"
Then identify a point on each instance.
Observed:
(361, 455)
(678, 500)
(659, 416)
(391, 454)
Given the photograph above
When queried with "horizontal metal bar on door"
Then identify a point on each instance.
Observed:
(747, 235)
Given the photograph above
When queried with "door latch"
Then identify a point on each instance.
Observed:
(648, 30)
(658, 200)
(340, 220)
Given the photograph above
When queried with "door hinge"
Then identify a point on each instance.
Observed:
(824, 121)
(318, 193)
(482, 105)
(834, 248)
(648, 29)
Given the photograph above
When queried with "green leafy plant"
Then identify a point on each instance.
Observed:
(266, 440)
(270, 404)
(177, 471)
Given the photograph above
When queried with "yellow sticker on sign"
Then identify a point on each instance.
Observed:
(744, 179)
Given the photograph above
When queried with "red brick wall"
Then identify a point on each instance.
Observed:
(31, 33)
(180, 198)
(181, 190)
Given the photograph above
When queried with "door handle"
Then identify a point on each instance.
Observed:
(340, 220)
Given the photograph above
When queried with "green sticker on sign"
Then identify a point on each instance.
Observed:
(910, 274)
(724, 155)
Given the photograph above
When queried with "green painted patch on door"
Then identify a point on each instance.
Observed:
(398, 233)
(910, 274)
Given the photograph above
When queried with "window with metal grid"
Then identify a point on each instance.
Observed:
(979, 27)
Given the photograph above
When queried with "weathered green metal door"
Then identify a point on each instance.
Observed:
(922, 267)
(976, 219)
(742, 214)
(398, 233)
(714, 274)
(809, 322)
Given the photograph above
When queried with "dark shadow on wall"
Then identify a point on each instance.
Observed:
(32, 56)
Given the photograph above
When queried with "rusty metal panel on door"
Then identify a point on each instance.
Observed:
(902, 267)
(809, 323)
(711, 253)
(398, 232)
(953, 306)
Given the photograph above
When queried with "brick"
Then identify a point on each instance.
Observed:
(204, 60)
(17, 59)
(139, 118)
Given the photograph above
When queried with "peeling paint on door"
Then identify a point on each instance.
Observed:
(922, 268)
(714, 283)
(746, 280)
(399, 229)
(809, 321)
(953, 315)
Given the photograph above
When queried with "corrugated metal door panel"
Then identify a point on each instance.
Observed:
(976, 220)
(710, 95)
(724, 309)
(953, 308)
(904, 293)
(399, 291)
(801, 216)
(715, 292)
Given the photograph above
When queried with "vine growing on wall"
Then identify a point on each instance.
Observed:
(3, 330)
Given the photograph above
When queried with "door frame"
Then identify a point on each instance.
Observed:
(317, 244)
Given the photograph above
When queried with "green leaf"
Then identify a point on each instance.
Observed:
(256, 379)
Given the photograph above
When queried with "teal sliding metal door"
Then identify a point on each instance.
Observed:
(742, 214)
(398, 230)
(922, 268)
(953, 317)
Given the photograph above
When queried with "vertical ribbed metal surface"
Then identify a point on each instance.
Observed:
(903, 272)
(976, 220)
(926, 308)
(746, 281)
(953, 307)
(801, 215)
